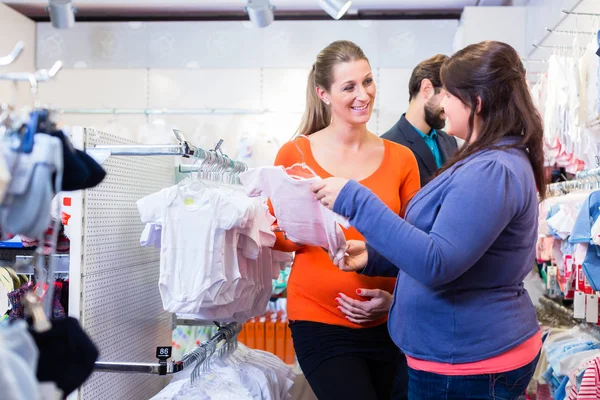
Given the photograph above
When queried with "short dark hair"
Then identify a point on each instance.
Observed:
(427, 69)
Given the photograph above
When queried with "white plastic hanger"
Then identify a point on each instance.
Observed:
(305, 171)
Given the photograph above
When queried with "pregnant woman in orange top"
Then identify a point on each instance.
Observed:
(338, 320)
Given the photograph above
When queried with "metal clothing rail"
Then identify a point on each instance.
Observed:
(41, 75)
(566, 12)
(13, 55)
(559, 310)
(566, 316)
(539, 46)
(563, 32)
(24, 264)
(580, 13)
(211, 158)
(226, 334)
(583, 179)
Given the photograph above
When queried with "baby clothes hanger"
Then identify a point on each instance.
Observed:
(301, 170)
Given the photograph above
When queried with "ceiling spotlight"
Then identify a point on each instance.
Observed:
(335, 8)
(260, 12)
(62, 13)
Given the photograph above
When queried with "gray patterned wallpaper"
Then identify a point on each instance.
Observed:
(284, 44)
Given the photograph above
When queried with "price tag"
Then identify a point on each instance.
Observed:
(552, 281)
(164, 353)
(591, 311)
(579, 307)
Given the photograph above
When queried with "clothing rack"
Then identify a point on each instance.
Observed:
(213, 161)
(565, 315)
(213, 158)
(588, 179)
(550, 31)
(227, 334)
(563, 32)
(539, 46)
(560, 311)
(61, 263)
(41, 75)
(580, 13)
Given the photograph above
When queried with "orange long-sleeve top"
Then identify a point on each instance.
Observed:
(315, 281)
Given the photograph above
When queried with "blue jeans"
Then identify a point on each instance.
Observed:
(505, 386)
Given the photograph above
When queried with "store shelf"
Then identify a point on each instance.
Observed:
(14, 243)
(62, 264)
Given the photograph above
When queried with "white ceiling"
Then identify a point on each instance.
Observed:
(182, 7)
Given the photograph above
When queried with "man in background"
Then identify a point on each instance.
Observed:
(420, 129)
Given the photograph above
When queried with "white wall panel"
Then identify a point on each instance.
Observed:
(392, 89)
(93, 88)
(15, 27)
(505, 24)
(125, 126)
(205, 88)
(284, 89)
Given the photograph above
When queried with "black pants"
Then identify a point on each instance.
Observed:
(401, 382)
(344, 363)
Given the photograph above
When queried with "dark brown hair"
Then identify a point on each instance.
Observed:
(427, 69)
(317, 115)
(493, 72)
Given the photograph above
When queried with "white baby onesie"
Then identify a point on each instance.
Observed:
(151, 235)
(299, 214)
(189, 226)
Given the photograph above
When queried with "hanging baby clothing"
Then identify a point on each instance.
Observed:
(216, 261)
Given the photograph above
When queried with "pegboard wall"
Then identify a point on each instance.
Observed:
(121, 307)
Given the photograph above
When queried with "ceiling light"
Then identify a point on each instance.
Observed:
(260, 12)
(62, 13)
(335, 8)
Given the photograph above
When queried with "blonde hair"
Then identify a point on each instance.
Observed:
(317, 115)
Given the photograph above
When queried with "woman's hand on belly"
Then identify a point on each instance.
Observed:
(376, 305)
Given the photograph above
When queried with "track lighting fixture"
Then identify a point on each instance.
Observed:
(260, 12)
(335, 8)
(62, 13)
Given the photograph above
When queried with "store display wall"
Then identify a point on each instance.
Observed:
(223, 66)
(15, 27)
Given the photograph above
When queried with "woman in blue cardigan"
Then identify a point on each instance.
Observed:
(460, 311)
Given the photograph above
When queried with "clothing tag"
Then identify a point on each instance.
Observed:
(591, 312)
(65, 218)
(587, 288)
(188, 201)
(570, 273)
(552, 283)
(40, 289)
(580, 278)
(568, 266)
(579, 306)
